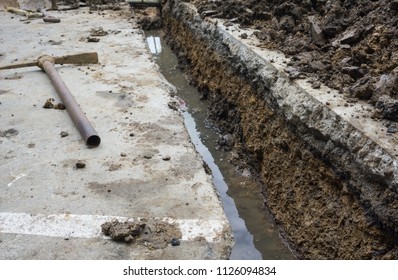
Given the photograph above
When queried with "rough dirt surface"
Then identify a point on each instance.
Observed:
(321, 210)
(148, 18)
(349, 45)
(122, 231)
(153, 234)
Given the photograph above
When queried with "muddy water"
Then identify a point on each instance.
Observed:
(252, 225)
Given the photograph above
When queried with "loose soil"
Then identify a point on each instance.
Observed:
(151, 233)
(349, 45)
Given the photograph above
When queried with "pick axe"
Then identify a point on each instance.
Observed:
(46, 63)
(47, 17)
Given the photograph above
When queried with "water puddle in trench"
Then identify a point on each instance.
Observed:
(252, 225)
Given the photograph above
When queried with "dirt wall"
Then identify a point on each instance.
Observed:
(328, 204)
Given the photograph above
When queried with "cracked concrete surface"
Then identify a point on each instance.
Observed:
(43, 193)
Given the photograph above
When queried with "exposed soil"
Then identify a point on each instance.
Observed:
(349, 45)
(50, 104)
(324, 209)
(151, 233)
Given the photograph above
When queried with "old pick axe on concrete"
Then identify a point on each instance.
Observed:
(46, 63)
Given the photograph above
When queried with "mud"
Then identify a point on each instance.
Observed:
(122, 231)
(154, 234)
(325, 202)
(349, 45)
(50, 104)
(148, 18)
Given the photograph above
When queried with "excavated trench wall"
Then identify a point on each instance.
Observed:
(332, 190)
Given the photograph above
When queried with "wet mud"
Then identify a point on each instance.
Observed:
(153, 234)
(325, 204)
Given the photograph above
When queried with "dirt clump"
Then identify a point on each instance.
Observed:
(9, 133)
(148, 18)
(351, 46)
(50, 104)
(152, 233)
(98, 32)
(122, 231)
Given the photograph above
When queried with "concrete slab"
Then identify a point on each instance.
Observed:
(145, 169)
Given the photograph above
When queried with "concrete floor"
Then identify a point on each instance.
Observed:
(145, 167)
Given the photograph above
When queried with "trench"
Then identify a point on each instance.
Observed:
(256, 235)
(330, 188)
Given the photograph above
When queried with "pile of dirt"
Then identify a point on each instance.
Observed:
(148, 18)
(349, 45)
(152, 233)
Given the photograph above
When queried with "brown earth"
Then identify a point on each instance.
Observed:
(151, 233)
(321, 207)
(349, 45)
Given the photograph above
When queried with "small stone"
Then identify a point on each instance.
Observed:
(93, 39)
(166, 158)
(123, 154)
(128, 238)
(316, 85)
(363, 89)
(394, 5)
(316, 31)
(388, 107)
(350, 37)
(80, 165)
(353, 71)
(173, 105)
(175, 242)
(59, 106)
(64, 133)
(49, 103)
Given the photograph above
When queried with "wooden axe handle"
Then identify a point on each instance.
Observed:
(20, 65)
(81, 58)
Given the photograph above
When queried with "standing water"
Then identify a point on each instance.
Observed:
(252, 225)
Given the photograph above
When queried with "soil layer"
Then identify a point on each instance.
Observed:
(349, 45)
(325, 203)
